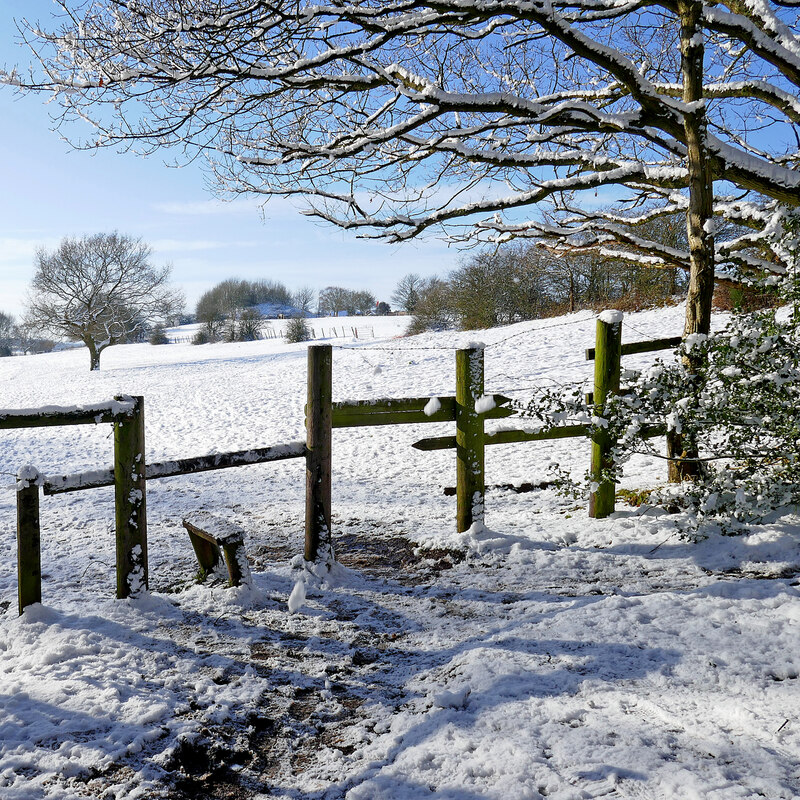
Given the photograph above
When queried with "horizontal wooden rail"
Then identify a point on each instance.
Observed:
(514, 436)
(95, 479)
(406, 411)
(649, 346)
(51, 416)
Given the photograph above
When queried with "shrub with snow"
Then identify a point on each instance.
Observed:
(741, 408)
(298, 330)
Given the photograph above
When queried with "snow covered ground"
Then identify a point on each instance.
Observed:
(550, 656)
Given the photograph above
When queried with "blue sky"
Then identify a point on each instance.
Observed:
(49, 191)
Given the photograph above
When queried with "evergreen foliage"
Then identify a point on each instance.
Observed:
(297, 330)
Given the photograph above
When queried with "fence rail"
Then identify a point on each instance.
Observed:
(408, 411)
(59, 416)
(95, 479)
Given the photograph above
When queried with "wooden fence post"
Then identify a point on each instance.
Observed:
(318, 453)
(606, 383)
(470, 483)
(29, 558)
(130, 499)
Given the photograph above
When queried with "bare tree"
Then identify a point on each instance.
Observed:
(333, 300)
(303, 299)
(100, 290)
(406, 293)
(395, 118)
(7, 332)
(362, 301)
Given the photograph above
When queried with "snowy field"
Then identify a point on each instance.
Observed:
(549, 657)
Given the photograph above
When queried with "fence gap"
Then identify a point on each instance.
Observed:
(318, 452)
(29, 556)
(470, 483)
(606, 382)
(130, 500)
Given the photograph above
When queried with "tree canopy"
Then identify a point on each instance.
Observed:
(399, 116)
(100, 290)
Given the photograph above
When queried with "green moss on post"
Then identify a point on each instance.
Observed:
(130, 500)
(606, 383)
(318, 453)
(470, 482)
(29, 558)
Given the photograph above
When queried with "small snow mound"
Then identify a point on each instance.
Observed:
(610, 316)
(484, 404)
(28, 474)
(36, 612)
(694, 339)
(432, 406)
(456, 699)
(297, 597)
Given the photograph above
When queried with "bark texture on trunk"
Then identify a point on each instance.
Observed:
(699, 219)
(94, 355)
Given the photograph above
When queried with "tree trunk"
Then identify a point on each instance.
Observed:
(681, 449)
(94, 355)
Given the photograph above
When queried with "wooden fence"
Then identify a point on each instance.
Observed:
(607, 357)
(128, 476)
(469, 408)
(269, 333)
(127, 416)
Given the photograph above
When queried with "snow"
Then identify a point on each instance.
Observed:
(484, 404)
(541, 654)
(297, 597)
(611, 317)
(432, 406)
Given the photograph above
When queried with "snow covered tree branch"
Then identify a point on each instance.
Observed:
(465, 116)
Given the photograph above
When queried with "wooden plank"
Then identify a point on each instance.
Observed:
(208, 533)
(409, 418)
(516, 436)
(318, 543)
(29, 557)
(94, 479)
(506, 437)
(384, 404)
(53, 416)
(205, 548)
(362, 419)
(649, 346)
(130, 503)
(407, 411)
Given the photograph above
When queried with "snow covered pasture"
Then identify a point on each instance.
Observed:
(549, 656)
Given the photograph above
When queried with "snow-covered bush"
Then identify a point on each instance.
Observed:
(297, 330)
(740, 408)
(202, 336)
(158, 335)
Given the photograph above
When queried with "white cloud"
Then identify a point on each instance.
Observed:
(195, 245)
(200, 208)
(21, 251)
